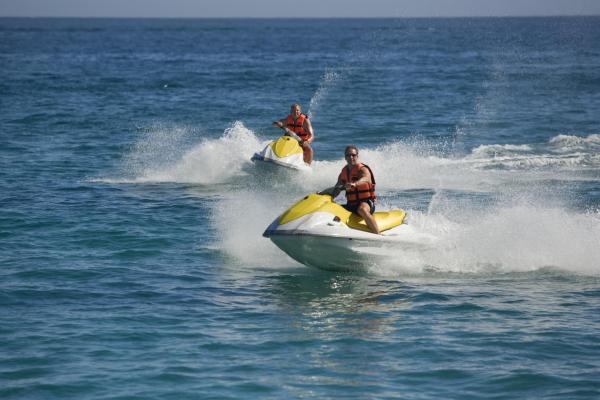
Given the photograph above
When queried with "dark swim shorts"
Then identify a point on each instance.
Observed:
(354, 207)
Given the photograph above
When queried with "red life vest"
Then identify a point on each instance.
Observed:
(297, 126)
(363, 190)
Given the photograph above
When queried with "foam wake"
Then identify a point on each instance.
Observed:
(483, 219)
(517, 238)
(173, 154)
(562, 151)
(209, 162)
(496, 209)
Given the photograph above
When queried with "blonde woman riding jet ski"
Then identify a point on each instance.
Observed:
(298, 125)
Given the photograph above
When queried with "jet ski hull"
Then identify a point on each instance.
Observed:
(292, 164)
(333, 253)
(320, 233)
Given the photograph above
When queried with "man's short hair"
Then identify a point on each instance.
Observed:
(350, 147)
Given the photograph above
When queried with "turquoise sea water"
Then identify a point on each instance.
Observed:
(131, 253)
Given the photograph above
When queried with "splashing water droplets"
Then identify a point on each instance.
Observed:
(329, 80)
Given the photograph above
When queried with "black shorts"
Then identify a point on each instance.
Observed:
(354, 207)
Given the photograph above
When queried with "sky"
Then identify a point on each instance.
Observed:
(294, 8)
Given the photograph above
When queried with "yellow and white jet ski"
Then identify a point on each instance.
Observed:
(285, 151)
(318, 232)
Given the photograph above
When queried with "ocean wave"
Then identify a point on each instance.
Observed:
(566, 143)
(567, 151)
(496, 150)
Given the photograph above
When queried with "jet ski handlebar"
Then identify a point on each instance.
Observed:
(332, 191)
(288, 132)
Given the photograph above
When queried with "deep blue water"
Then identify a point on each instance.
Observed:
(131, 253)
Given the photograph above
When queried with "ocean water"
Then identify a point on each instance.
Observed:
(131, 257)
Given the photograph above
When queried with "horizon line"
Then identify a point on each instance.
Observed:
(301, 18)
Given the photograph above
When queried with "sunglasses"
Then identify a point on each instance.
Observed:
(351, 154)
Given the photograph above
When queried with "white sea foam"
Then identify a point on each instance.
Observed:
(211, 161)
(518, 238)
(167, 154)
(525, 227)
(569, 143)
(560, 151)
(523, 222)
(240, 218)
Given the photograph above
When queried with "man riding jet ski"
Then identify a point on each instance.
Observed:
(317, 231)
(359, 183)
(292, 150)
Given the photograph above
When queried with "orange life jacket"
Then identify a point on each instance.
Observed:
(363, 190)
(297, 126)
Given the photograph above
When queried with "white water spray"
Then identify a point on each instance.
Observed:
(494, 210)
(328, 81)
